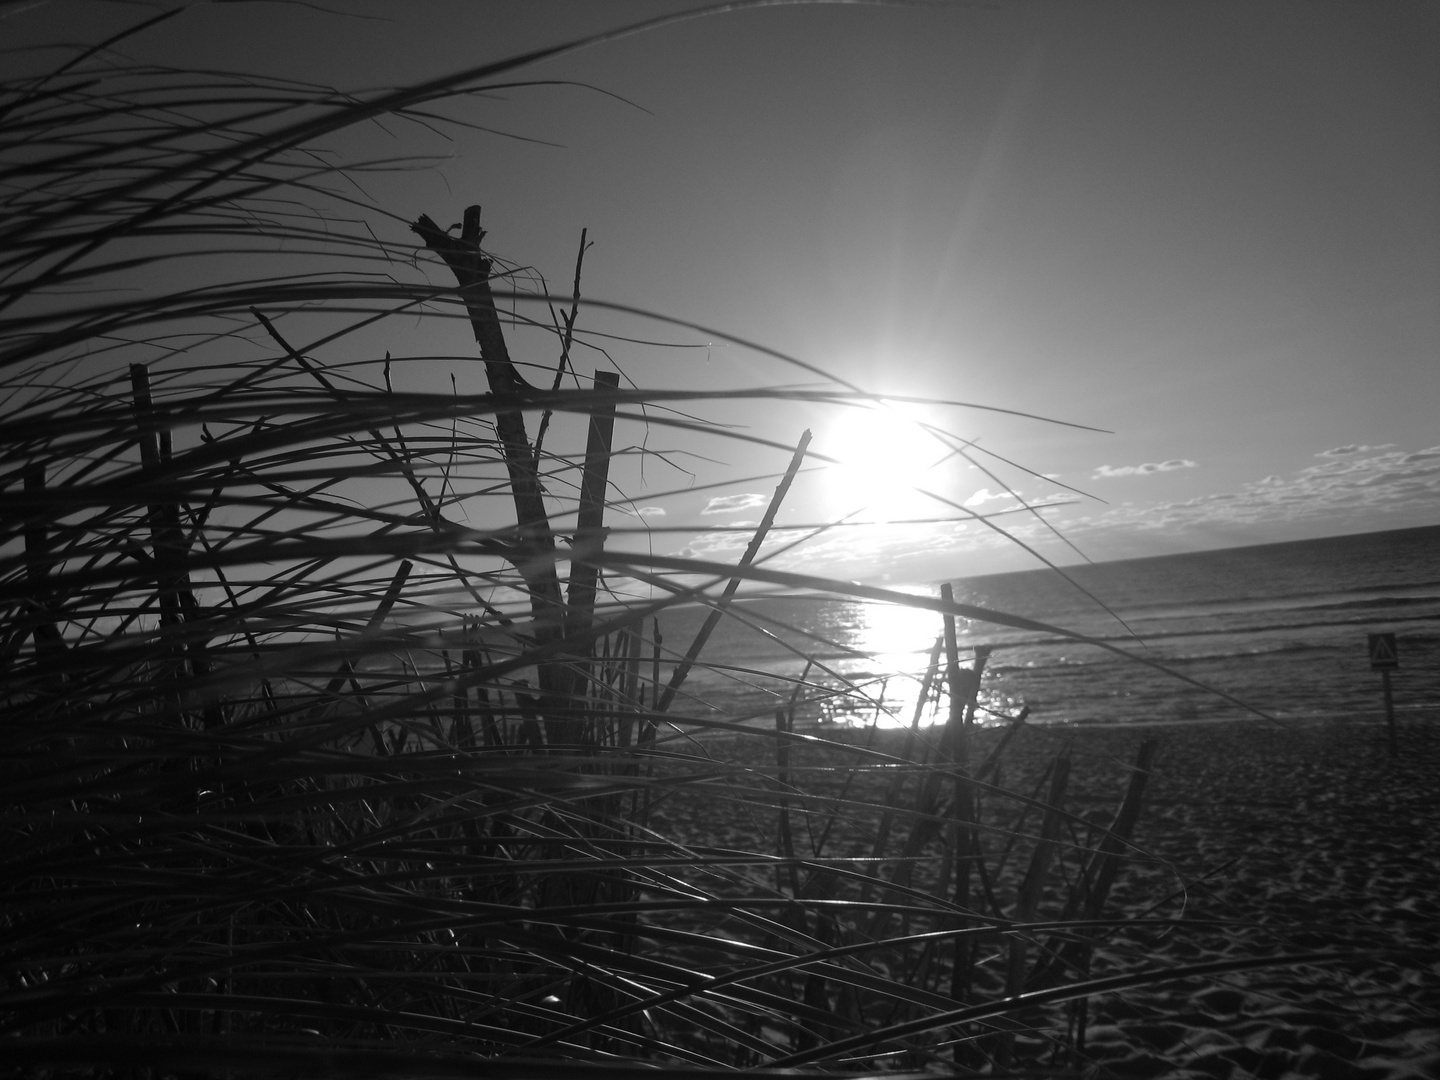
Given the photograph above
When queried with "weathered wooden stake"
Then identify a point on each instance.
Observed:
(49, 643)
(1389, 711)
(1384, 658)
(589, 526)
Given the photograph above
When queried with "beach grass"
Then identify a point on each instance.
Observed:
(341, 734)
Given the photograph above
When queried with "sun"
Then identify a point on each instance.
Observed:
(883, 454)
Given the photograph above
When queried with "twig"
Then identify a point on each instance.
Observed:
(717, 612)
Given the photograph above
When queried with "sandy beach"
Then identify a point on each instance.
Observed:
(1268, 841)
(1310, 838)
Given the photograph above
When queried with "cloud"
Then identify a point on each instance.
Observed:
(729, 504)
(1106, 472)
(642, 511)
(1352, 449)
(1351, 487)
(985, 495)
(1371, 488)
(727, 545)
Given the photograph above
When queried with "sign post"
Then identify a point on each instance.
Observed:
(1385, 659)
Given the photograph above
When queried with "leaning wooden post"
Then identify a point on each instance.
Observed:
(534, 547)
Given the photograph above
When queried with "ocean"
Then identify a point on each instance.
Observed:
(1278, 629)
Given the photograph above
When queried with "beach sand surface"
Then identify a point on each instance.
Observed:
(1263, 841)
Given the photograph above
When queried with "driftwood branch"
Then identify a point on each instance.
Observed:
(535, 547)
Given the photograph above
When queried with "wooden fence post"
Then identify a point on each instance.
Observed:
(169, 548)
(589, 532)
(49, 642)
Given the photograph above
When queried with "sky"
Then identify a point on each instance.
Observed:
(1204, 235)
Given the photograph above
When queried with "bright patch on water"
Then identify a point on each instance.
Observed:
(1281, 628)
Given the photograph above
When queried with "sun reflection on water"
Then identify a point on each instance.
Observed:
(893, 647)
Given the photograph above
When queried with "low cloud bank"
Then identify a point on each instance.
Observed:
(1348, 489)
(1356, 487)
(730, 504)
(1105, 472)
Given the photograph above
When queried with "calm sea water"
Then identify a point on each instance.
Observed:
(1281, 627)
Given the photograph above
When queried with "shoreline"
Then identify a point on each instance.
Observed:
(1405, 713)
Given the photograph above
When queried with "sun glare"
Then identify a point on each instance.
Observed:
(883, 454)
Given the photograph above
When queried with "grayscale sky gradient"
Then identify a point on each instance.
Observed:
(1211, 228)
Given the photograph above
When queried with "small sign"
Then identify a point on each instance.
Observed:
(1383, 656)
